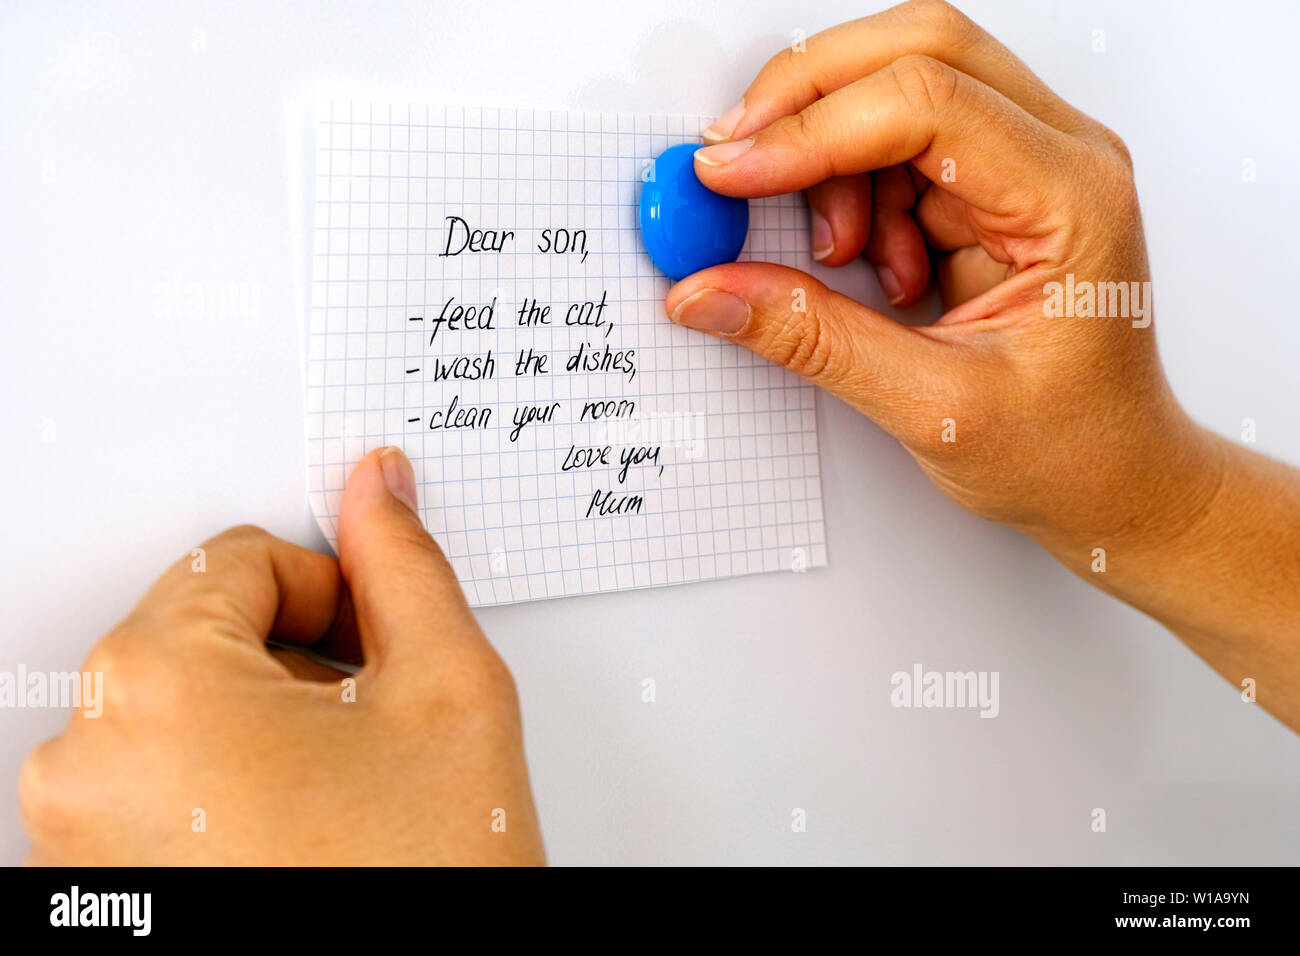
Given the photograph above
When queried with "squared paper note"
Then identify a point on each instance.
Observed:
(481, 298)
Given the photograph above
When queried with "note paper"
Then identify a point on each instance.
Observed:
(480, 297)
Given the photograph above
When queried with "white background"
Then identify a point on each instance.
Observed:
(146, 147)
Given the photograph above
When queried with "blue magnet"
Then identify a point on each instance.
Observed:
(686, 227)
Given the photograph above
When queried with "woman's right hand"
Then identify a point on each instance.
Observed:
(918, 138)
(916, 134)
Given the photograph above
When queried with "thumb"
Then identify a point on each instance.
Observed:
(883, 369)
(409, 607)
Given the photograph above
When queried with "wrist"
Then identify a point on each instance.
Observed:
(1144, 506)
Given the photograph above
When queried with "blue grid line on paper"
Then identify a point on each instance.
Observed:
(355, 401)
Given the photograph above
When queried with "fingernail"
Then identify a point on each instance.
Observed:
(726, 124)
(822, 240)
(710, 310)
(889, 282)
(399, 476)
(723, 152)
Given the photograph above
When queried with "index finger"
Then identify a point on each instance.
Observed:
(1002, 160)
(834, 58)
(250, 584)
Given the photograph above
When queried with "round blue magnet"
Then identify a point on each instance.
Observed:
(686, 227)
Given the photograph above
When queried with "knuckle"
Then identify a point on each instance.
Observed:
(785, 64)
(136, 678)
(1123, 190)
(241, 544)
(495, 682)
(1118, 147)
(785, 76)
(243, 534)
(808, 127)
(482, 684)
(941, 19)
(240, 541)
(811, 132)
(800, 342)
(927, 85)
(947, 434)
(112, 656)
(1112, 177)
(411, 542)
(409, 553)
(470, 688)
(42, 792)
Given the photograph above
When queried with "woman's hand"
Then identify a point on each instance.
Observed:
(1037, 399)
(210, 749)
(915, 133)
